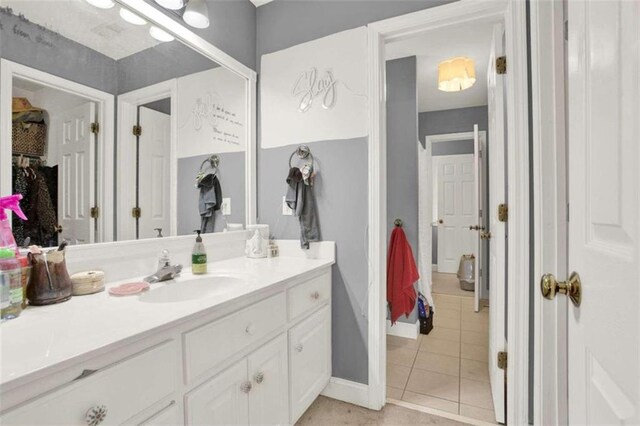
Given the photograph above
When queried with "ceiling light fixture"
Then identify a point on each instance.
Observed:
(131, 17)
(196, 14)
(160, 35)
(171, 4)
(101, 4)
(456, 74)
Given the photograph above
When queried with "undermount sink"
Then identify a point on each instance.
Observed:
(194, 288)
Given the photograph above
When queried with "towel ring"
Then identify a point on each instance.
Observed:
(303, 151)
(213, 160)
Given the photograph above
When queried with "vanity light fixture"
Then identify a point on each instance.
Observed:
(196, 14)
(456, 74)
(131, 17)
(101, 4)
(160, 35)
(171, 4)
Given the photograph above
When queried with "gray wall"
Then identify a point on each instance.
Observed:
(231, 173)
(402, 145)
(32, 45)
(232, 28)
(343, 205)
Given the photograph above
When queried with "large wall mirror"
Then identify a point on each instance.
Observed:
(118, 123)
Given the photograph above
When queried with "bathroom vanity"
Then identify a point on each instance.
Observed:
(248, 343)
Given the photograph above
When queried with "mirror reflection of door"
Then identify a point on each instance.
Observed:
(154, 121)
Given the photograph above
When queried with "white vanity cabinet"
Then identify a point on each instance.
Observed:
(257, 360)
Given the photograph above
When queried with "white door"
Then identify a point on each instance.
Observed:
(76, 174)
(269, 397)
(477, 241)
(604, 211)
(425, 218)
(153, 172)
(223, 400)
(457, 209)
(497, 243)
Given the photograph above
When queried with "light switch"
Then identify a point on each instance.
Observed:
(286, 211)
(226, 206)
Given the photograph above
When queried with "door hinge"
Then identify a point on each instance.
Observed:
(503, 212)
(95, 128)
(480, 272)
(480, 213)
(501, 65)
(566, 30)
(136, 212)
(95, 212)
(137, 130)
(502, 360)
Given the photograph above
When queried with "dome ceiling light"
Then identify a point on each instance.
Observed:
(456, 74)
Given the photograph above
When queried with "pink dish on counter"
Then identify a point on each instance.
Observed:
(129, 289)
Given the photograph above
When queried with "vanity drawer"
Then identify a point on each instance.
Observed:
(209, 345)
(309, 295)
(124, 389)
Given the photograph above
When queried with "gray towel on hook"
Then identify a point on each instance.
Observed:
(209, 201)
(301, 199)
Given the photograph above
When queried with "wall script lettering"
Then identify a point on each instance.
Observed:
(310, 86)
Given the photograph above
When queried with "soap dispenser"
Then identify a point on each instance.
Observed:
(198, 256)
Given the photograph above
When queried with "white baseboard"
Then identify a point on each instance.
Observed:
(404, 329)
(347, 391)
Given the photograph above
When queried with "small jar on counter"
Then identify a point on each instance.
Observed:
(11, 295)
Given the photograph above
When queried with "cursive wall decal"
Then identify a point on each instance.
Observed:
(309, 86)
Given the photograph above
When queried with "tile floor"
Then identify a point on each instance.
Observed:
(446, 369)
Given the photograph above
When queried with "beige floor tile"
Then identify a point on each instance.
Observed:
(474, 352)
(434, 384)
(438, 363)
(476, 393)
(478, 413)
(431, 402)
(401, 356)
(439, 321)
(468, 305)
(397, 375)
(474, 370)
(446, 298)
(449, 313)
(475, 338)
(403, 342)
(394, 393)
(443, 333)
(477, 324)
(480, 317)
(446, 303)
(440, 346)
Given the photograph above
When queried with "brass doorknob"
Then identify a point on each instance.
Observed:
(485, 235)
(476, 228)
(549, 286)
(440, 221)
(59, 229)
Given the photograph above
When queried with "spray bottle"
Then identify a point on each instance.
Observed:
(11, 202)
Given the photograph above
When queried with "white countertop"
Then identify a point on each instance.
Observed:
(43, 337)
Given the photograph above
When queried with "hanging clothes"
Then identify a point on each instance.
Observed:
(301, 199)
(402, 273)
(209, 202)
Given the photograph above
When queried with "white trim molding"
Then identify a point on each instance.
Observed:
(404, 329)
(513, 14)
(347, 391)
(105, 138)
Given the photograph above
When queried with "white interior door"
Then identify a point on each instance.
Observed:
(457, 209)
(477, 241)
(76, 174)
(153, 169)
(604, 211)
(497, 243)
(425, 217)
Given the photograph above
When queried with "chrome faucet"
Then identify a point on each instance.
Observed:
(165, 271)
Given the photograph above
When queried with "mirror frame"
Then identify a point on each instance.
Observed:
(106, 188)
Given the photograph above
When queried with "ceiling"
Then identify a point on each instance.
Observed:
(99, 29)
(258, 3)
(472, 40)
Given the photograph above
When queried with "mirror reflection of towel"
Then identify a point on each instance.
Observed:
(209, 201)
(301, 199)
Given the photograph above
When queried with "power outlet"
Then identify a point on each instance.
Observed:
(286, 211)
(226, 206)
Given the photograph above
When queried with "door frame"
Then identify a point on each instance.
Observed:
(514, 16)
(105, 137)
(128, 104)
(550, 210)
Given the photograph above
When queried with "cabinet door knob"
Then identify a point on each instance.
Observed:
(245, 387)
(299, 347)
(95, 415)
(315, 295)
(250, 329)
(259, 377)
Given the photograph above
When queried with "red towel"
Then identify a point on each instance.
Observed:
(402, 273)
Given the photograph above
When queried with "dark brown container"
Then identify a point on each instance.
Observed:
(50, 282)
